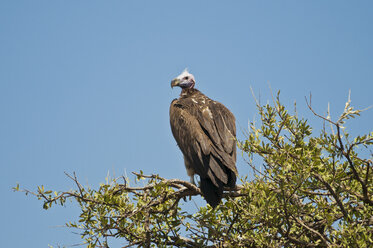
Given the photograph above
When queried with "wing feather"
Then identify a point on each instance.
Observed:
(218, 170)
(225, 123)
(205, 132)
(192, 144)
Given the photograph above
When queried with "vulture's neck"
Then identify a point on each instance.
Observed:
(188, 92)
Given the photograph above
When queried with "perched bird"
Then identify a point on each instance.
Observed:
(205, 133)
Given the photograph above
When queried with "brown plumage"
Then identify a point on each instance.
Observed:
(205, 132)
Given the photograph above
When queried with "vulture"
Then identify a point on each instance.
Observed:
(205, 132)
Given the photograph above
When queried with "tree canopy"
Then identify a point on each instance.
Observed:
(307, 190)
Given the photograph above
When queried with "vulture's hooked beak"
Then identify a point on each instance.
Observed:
(175, 82)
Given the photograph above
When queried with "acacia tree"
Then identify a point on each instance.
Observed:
(309, 190)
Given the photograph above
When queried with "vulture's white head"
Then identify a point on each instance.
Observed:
(185, 80)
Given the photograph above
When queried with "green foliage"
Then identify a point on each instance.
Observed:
(317, 189)
(309, 191)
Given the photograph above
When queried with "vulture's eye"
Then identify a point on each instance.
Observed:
(186, 78)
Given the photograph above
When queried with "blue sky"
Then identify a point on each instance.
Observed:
(85, 85)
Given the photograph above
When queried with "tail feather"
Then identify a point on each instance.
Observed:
(211, 193)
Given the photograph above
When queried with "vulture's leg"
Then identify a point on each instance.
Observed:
(190, 171)
(192, 180)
